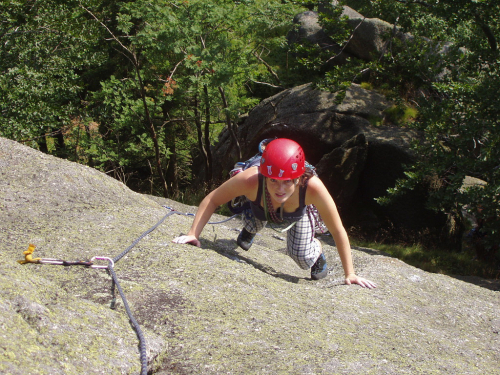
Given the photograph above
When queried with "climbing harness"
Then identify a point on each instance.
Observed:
(28, 258)
(271, 214)
(317, 224)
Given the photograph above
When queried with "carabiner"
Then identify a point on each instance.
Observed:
(111, 264)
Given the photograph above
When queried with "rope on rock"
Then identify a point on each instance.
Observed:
(190, 214)
(28, 254)
(124, 252)
(135, 324)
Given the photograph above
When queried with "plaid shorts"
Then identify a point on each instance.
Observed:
(300, 244)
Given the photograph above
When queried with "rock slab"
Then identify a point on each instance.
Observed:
(210, 310)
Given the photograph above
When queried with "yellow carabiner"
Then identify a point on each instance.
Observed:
(28, 257)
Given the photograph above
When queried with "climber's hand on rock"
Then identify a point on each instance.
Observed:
(192, 240)
(353, 279)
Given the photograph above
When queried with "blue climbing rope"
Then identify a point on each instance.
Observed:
(142, 342)
(137, 327)
(124, 252)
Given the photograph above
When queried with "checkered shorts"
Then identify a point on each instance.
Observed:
(300, 244)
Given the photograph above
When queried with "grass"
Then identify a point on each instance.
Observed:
(435, 260)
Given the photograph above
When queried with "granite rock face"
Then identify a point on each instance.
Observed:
(209, 310)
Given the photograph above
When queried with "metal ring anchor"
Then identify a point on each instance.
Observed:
(111, 264)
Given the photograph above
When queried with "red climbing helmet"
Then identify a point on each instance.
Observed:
(283, 159)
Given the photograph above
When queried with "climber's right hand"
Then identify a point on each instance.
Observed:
(192, 240)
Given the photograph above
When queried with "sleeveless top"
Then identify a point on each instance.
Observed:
(258, 210)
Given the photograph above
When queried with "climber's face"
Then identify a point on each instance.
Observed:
(281, 190)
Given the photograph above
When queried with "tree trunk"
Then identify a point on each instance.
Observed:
(490, 36)
(152, 131)
(230, 125)
(132, 56)
(172, 168)
(208, 150)
(454, 231)
(199, 133)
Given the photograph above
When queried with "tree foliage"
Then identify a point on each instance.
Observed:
(459, 116)
(448, 71)
(44, 47)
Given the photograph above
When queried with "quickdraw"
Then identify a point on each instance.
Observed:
(28, 258)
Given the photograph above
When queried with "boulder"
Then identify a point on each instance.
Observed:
(341, 168)
(209, 310)
(368, 40)
(309, 29)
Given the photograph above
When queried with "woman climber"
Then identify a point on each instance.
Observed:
(279, 190)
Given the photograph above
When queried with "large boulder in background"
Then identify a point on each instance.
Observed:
(357, 160)
(309, 29)
(368, 40)
(341, 168)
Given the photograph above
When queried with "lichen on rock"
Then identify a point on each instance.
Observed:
(209, 310)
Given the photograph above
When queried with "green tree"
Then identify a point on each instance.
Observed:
(459, 116)
(458, 112)
(189, 65)
(44, 46)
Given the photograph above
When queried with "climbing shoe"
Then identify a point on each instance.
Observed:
(245, 239)
(319, 270)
